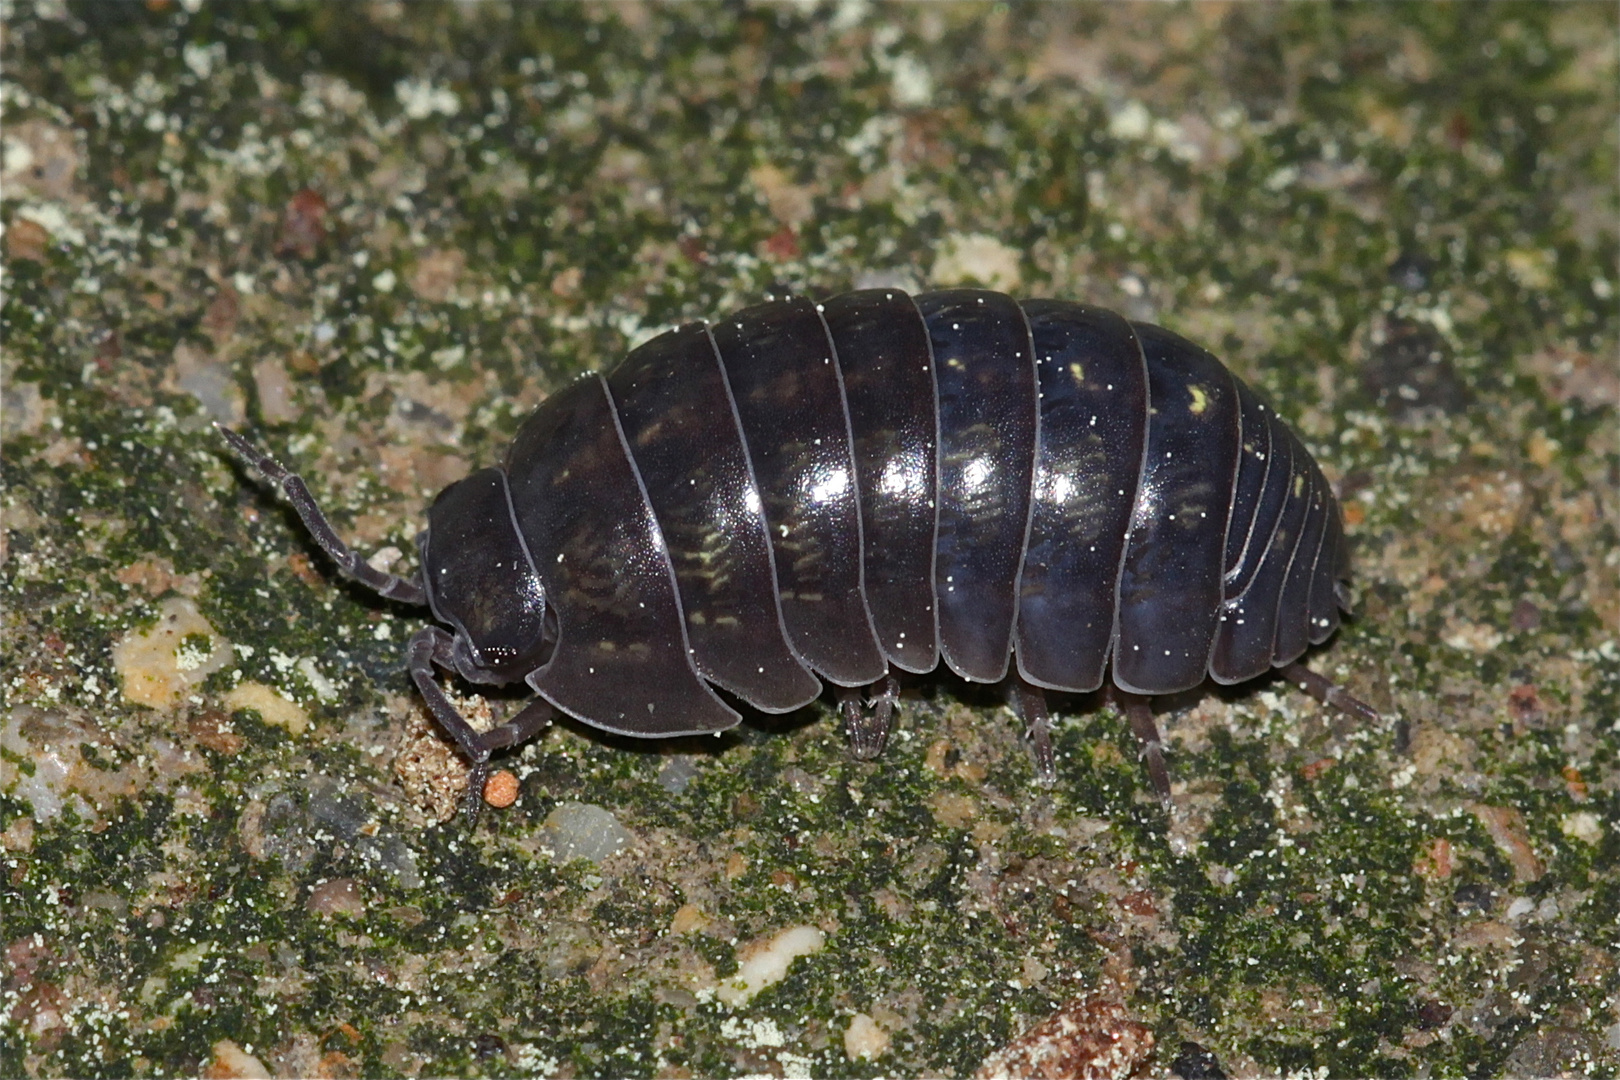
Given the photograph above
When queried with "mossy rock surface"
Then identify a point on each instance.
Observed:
(378, 234)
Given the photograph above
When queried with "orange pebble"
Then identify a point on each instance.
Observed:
(501, 789)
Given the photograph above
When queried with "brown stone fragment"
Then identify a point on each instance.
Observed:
(1524, 705)
(220, 318)
(1506, 826)
(567, 282)
(303, 225)
(1526, 615)
(154, 577)
(27, 239)
(1314, 769)
(1086, 1038)
(212, 729)
(305, 570)
(1554, 1052)
(1569, 373)
(338, 896)
(41, 1010)
(1139, 903)
(231, 1062)
(275, 389)
(436, 274)
(335, 1065)
(782, 244)
(1574, 783)
(1436, 863)
(42, 159)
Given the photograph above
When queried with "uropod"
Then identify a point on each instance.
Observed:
(1036, 493)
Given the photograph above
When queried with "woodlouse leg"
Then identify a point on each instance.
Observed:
(1139, 711)
(530, 721)
(869, 733)
(430, 647)
(389, 586)
(1029, 702)
(1329, 693)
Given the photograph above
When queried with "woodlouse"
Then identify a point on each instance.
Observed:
(872, 483)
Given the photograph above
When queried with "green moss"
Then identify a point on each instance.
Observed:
(1304, 177)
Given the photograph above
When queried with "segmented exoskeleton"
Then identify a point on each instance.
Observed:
(1036, 492)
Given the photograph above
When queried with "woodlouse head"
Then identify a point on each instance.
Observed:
(480, 580)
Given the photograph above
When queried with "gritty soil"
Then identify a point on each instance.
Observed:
(378, 234)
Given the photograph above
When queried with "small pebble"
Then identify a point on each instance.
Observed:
(339, 896)
(1086, 1039)
(677, 772)
(865, 1038)
(28, 239)
(159, 665)
(231, 1062)
(688, 918)
(764, 961)
(272, 706)
(582, 831)
(501, 789)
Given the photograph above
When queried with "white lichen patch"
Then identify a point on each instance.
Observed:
(913, 83)
(421, 98)
(317, 682)
(765, 961)
(965, 258)
(1583, 825)
(160, 665)
(761, 1032)
(1472, 637)
(272, 706)
(1130, 121)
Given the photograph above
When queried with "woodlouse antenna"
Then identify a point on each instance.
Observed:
(388, 586)
(1329, 693)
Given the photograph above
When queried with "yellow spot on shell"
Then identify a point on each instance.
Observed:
(1200, 400)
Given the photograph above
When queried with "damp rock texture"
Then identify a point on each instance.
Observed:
(376, 235)
(1090, 1039)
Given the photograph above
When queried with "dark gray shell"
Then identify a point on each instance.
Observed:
(807, 490)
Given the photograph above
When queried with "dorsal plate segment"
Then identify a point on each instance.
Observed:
(621, 662)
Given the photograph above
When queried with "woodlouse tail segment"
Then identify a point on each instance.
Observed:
(1329, 693)
(430, 648)
(1029, 702)
(388, 586)
(1139, 711)
(868, 731)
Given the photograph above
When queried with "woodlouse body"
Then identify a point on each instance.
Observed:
(872, 483)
